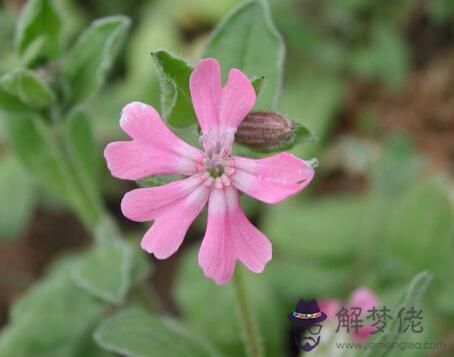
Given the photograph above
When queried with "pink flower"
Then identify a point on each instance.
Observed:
(363, 298)
(213, 175)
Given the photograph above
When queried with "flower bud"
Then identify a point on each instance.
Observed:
(266, 131)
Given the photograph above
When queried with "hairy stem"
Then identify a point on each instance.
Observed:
(251, 337)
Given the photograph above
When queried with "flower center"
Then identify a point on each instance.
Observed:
(217, 163)
(216, 171)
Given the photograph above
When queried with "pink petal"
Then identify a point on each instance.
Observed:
(272, 179)
(205, 85)
(146, 204)
(168, 231)
(220, 107)
(330, 307)
(365, 299)
(230, 236)
(237, 99)
(363, 333)
(154, 149)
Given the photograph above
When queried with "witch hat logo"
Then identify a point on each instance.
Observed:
(306, 324)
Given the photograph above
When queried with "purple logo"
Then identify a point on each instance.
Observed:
(306, 324)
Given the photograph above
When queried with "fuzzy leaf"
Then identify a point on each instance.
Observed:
(258, 83)
(302, 134)
(199, 299)
(106, 271)
(418, 217)
(313, 100)
(17, 198)
(28, 87)
(83, 145)
(397, 165)
(87, 64)
(35, 145)
(106, 230)
(84, 154)
(134, 333)
(31, 139)
(141, 267)
(332, 220)
(176, 104)
(51, 318)
(412, 296)
(247, 39)
(38, 34)
(11, 103)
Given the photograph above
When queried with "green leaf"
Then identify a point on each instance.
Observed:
(412, 296)
(108, 234)
(32, 141)
(84, 154)
(106, 271)
(313, 99)
(397, 165)
(421, 221)
(258, 83)
(87, 347)
(11, 103)
(176, 103)
(135, 333)
(36, 146)
(106, 230)
(443, 298)
(302, 134)
(173, 74)
(28, 87)
(247, 39)
(51, 318)
(87, 64)
(38, 33)
(330, 277)
(385, 59)
(80, 135)
(200, 300)
(141, 266)
(334, 221)
(17, 198)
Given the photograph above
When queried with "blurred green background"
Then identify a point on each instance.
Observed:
(374, 80)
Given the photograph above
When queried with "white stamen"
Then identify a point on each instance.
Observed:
(217, 145)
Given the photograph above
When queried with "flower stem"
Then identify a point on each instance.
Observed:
(252, 339)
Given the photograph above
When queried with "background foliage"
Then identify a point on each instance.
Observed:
(371, 79)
